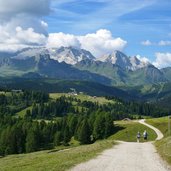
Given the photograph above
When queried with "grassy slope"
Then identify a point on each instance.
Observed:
(164, 145)
(62, 160)
(23, 112)
(82, 97)
(53, 160)
(161, 124)
(127, 131)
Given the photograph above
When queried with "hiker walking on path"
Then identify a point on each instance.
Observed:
(145, 135)
(138, 137)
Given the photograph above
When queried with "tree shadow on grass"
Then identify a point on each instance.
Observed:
(117, 128)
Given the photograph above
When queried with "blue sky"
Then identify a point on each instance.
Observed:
(134, 21)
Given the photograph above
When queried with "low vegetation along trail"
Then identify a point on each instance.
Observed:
(127, 156)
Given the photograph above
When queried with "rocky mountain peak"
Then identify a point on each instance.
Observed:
(123, 61)
(70, 55)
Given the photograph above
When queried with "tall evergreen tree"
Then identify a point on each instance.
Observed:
(32, 140)
(57, 138)
(108, 125)
(84, 133)
(99, 127)
(66, 135)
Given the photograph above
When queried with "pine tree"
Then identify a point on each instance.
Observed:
(66, 135)
(77, 129)
(84, 132)
(108, 125)
(57, 138)
(99, 127)
(72, 123)
(32, 140)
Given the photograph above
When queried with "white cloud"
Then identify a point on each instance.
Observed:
(143, 59)
(44, 24)
(101, 42)
(12, 47)
(56, 40)
(147, 43)
(162, 60)
(160, 43)
(164, 43)
(29, 36)
(21, 23)
(20, 38)
(98, 43)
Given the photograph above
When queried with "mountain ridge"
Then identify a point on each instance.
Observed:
(71, 63)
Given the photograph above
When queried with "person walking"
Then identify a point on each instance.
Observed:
(138, 137)
(145, 135)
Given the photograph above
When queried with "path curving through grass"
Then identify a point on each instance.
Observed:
(158, 132)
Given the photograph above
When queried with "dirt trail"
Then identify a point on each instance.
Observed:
(158, 132)
(127, 156)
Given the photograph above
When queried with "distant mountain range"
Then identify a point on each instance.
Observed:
(69, 63)
(59, 69)
(123, 70)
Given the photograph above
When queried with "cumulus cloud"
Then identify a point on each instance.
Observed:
(21, 23)
(20, 38)
(56, 40)
(101, 42)
(29, 36)
(147, 43)
(162, 60)
(98, 43)
(143, 59)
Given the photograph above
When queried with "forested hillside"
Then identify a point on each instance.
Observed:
(48, 122)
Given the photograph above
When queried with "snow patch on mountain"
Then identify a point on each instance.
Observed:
(120, 59)
(138, 63)
(70, 55)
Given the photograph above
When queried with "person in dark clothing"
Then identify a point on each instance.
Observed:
(145, 135)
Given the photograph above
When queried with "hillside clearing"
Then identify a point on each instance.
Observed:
(23, 112)
(82, 97)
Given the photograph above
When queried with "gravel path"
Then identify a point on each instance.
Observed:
(158, 132)
(127, 156)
